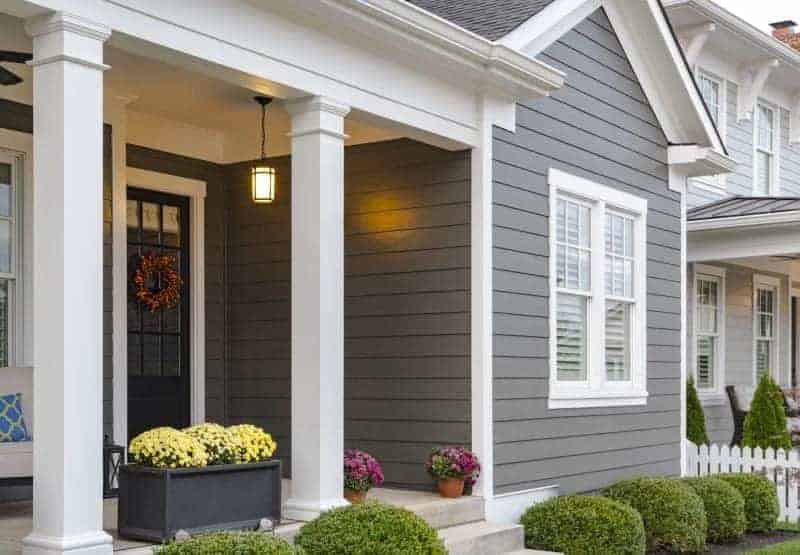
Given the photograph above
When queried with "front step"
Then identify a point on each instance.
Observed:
(483, 538)
(445, 513)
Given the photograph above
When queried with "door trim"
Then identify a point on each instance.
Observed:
(196, 191)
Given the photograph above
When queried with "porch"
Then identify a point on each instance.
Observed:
(460, 523)
(743, 295)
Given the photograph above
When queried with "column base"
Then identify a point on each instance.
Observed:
(98, 543)
(303, 510)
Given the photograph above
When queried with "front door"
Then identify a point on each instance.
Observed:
(158, 339)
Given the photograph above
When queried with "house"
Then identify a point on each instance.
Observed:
(743, 228)
(399, 291)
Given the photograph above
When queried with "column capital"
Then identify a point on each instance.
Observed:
(66, 22)
(310, 104)
(65, 37)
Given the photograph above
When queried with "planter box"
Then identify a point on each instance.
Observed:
(156, 503)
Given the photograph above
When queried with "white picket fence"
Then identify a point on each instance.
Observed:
(781, 467)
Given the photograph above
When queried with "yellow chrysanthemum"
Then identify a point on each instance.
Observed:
(251, 443)
(167, 448)
(216, 440)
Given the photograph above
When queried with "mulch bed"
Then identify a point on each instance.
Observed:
(753, 541)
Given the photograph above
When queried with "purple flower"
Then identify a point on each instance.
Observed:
(361, 470)
(453, 462)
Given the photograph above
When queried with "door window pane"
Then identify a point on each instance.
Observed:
(571, 340)
(618, 367)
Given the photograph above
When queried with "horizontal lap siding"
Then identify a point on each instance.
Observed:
(212, 174)
(600, 127)
(406, 304)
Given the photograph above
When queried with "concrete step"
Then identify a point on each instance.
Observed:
(483, 538)
(446, 513)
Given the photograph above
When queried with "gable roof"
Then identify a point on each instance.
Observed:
(491, 19)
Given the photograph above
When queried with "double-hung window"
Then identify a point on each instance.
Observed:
(709, 329)
(711, 89)
(10, 172)
(765, 126)
(598, 300)
(766, 291)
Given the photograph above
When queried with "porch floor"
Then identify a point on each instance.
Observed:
(16, 519)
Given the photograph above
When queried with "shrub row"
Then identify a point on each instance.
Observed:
(646, 514)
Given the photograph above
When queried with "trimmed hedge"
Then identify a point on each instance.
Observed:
(724, 508)
(240, 543)
(575, 525)
(369, 529)
(761, 507)
(673, 514)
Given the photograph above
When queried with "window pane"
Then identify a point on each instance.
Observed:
(571, 338)
(763, 358)
(5, 190)
(5, 246)
(618, 341)
(763, 173)
(766, 126)
(705, 361)
(710, 91)
(4, 319)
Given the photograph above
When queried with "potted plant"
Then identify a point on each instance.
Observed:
(202, 479)
(452, 467)
(361, 473)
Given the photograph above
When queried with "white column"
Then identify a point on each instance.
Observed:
(317, 306)
(67, 282)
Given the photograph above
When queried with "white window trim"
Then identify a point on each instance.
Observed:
(715, 395)
(596, 391)
(715, 184)
(11, 152)
(774, 185)
(762, 281)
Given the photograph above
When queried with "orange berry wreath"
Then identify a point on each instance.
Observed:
(158, 268)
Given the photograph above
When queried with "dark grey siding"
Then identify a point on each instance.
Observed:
(406, 304)
(212, 174)
(601, 127)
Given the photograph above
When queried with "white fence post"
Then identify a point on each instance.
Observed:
(781, 468)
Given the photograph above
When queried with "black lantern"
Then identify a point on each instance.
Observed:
(113, 459)
(262, 176)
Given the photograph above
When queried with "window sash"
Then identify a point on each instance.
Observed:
(8, 267)
(764, 128)
(711, 90)
(706, 348)
(765, 323)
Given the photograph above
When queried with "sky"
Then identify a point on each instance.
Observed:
(763, 12)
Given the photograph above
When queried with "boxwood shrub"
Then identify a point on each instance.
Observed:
(724, 508)
(673, 514)
(240, 543)
(575, 525)
(761, 508)
(369, 529)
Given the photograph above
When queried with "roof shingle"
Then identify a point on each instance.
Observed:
(491, 19)
(733, 207)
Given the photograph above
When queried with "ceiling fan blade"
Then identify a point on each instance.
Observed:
(15, 57)
(8, 78)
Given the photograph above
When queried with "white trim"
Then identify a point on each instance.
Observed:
(794, 120)
(553, 22)
(761, 281)
(711, 395)
(699, 161)
(750, 220)
(481, 303)
(597, 391)
(196, 191)
(695, 38)
(678, 182)
(507, 508)
(21, 350)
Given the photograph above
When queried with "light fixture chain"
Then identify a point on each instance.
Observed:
(263, 131)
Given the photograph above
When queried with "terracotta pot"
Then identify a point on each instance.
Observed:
(451, 487)
(355, 496)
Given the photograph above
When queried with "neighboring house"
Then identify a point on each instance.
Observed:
(477, 237)
(744, 274)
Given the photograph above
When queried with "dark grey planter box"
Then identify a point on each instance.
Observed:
(156, 503)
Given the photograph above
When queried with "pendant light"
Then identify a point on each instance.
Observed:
(262, 176)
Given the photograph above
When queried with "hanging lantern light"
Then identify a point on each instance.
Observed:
(262, 176)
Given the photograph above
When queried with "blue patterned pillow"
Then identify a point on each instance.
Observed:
(12, 421)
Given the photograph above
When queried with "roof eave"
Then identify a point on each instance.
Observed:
(497, 68)
(750, 221)
(698, 161)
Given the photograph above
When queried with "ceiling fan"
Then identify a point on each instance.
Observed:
(6, 76)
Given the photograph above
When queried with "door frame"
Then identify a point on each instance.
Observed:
(195, 190)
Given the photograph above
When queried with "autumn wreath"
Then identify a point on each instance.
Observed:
(159, 269)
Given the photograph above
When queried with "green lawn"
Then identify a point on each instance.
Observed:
(788, 548)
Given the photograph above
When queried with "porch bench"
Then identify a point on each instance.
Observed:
(16, 459)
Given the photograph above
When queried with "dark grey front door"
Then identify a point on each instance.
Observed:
(158, 342)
